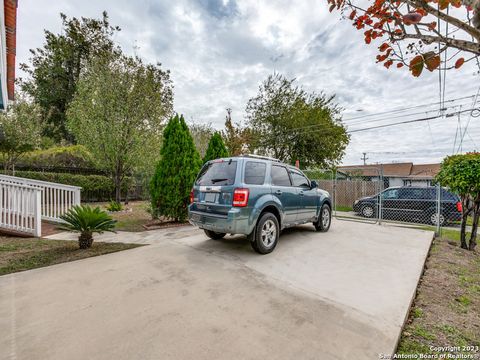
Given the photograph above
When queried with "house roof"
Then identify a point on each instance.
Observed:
(403, 170)
(10, 13)
(424, 171)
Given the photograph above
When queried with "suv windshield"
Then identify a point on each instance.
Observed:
(218, 173)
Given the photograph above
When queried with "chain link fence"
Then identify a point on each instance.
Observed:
(370, 197)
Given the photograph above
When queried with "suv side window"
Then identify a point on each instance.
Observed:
(255, 172)
(280, 176)
(299, 180)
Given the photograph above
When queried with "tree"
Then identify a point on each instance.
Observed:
(56, 68)
(417, 32)
(20, 131)
(201, 134)
(291, 124)
(176, 171)
(461, 173)
(234, 135)
(118, 114)
(216, 148)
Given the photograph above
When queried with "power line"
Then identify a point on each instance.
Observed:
(403, 115)
(393, 124)
(409, 108)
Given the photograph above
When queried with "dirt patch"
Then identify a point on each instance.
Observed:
(446, 311)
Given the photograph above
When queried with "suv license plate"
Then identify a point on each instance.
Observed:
(210, 197)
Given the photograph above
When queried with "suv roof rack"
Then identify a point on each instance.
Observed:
(261, 157)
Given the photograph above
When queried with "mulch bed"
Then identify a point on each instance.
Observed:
(163, 224)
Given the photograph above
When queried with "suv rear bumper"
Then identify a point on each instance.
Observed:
(235, 222)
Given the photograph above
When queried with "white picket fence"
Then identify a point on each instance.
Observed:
(20, 205)
(25, 202)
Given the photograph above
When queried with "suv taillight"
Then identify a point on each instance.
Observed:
(459, 206)
(191, 197)
(240, 197)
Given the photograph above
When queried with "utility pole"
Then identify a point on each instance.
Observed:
(364, 158)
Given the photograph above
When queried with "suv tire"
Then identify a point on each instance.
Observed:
(266, 233)
(324, 219)
(214, 235)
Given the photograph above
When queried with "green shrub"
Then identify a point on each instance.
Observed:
(114, 206)
(175, 172)
(216, 148)
(94, 187)
(86, 221)
(59, 156)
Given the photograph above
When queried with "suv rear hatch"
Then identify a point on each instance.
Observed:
(213, 190)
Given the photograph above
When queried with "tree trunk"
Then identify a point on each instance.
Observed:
(85, 240)
(465, 211)
(118, 188)
(473, 235)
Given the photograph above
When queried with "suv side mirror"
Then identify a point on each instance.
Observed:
(313, 184)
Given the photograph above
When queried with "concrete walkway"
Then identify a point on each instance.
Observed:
(337, 295)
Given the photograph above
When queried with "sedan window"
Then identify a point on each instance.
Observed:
(390, 194)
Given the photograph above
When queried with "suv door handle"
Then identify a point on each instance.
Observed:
(278, 192)
(301, 193)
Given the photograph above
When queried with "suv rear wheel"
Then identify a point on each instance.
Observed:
(324, 220)
(265, 236)
(214, 235)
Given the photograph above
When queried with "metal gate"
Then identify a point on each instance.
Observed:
(364, 194)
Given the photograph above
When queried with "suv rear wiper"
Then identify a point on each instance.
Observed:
(217, 180)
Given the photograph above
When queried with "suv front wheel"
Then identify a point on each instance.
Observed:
(266, 233)
(214, 235)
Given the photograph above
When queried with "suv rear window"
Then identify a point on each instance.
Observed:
(255, 172)
(218, 173)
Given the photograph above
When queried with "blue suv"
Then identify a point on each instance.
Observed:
(258, 197)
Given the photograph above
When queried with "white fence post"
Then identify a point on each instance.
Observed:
(37, 214)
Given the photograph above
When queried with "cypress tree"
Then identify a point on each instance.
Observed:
(176, 171)
(216, 148)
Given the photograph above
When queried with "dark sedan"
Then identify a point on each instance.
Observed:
(410, 204)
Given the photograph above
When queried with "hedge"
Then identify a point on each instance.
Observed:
(94, 187)
(58, 156)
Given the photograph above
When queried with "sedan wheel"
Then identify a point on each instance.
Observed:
(434, 218)
(368, 211)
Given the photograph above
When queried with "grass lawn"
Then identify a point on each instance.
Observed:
(446, 311)
(130, 220)
(343, 208)
(19, 254)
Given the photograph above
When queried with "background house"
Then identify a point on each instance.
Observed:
(8, 25)
(394, 174)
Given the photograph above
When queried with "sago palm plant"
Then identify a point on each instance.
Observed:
(86, 220)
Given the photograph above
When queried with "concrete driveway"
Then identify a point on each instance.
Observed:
(337, 295)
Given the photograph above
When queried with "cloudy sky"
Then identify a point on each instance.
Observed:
(219, 51)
